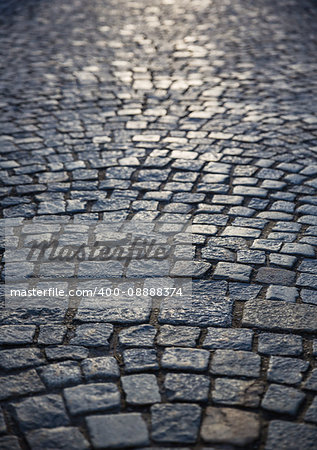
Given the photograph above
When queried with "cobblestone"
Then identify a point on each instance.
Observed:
(283, 433)
(171, 336)
(278, 316)
(237, 392)
(177, 423)
(27, 382)
(187, 387)
(117, 431)
(60, 374)
(140, 360)
(140, 389)
(230, 426)
(234, 339)
(16, 334)
(282, 399)
(46, 411)
(231, 363)
(69, 437)
(64, 352)
(280, 344)
(93, 397)
(100, 368)
(286, 370)
(185, 359)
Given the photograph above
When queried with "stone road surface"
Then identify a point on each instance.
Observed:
(168, 109)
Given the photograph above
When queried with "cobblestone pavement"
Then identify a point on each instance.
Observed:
(168, 109)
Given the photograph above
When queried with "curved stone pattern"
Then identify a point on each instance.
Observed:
(192, 111)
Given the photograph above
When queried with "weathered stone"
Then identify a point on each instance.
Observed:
(243, 291)
(193, 269)
(140, 389)
(92, 335)
(60, 374)
(311, 383)
(27, 382)
(20, 358)
(280, 316)
(284, 434)
(52, 334)
(232, 271)
(16, 334)
(234, 339)
(230, 426)
(186, 387)
(46, 411)
(64, 352)
(185, 359)
(61, 437)
(93, 397)
(231, 362)
(136, 360)
(284, 293)
(280, 344)
(138, 336)
(275, 276)
(178, 336)
(237, 392)
(175, 423)
(9, 443)
(282, 399)
(196, 312)
(286, 370)
(117, 431)
(311, 413)
(100, 368)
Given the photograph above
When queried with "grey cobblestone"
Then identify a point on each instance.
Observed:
(136, 360)
(176, 423)
(60, 374)
(64, 352)
(93, 397)
(186, 387)
(311, 383)
(140, 389)
(278, 316)
(232, 362)
(69, 437)
(286, 370)
(237, 392)
(46, 411)
(284, 434)
(100, 368)
(195, 360)
(139, 336)
(282, 399)
(92, 335)
(280, 344)
(230, 426)
(234, 339)
(16, 334)
(27, 382)
(117, 431)
(10, 443)
(171, 336)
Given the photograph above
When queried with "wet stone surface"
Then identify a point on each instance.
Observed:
(196, 112)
